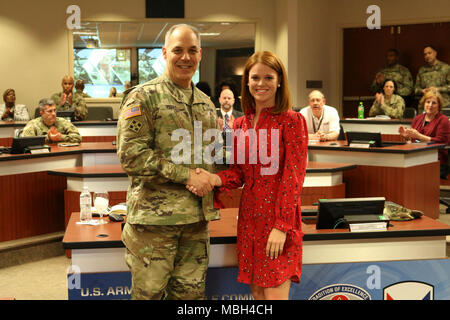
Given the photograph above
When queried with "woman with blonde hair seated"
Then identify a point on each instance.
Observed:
(430, 126)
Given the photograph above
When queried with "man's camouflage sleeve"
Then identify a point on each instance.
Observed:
(136, 139)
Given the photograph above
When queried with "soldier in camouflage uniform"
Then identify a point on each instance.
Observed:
(166, 234)
(435, 75)
(393, 70)
(56, 129)
(67, 100)
(388, 103)
(79, 87)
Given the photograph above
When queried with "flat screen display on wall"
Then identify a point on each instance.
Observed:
(102, 69)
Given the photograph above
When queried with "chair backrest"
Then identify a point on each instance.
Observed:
(446, 111)
(409, 113)
(100, 113)
(37, 113)
(341, 134)
(18, 133)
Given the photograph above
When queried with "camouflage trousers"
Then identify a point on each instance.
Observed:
(167, 261)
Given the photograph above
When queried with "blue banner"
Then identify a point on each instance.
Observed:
(395, 280)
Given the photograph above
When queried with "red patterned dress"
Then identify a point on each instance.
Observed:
(271, 198)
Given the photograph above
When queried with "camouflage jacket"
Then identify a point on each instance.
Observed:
(37, 127)
(394, 107)
(78, 105)
(149, 115)
(434, 76)
(400, 75)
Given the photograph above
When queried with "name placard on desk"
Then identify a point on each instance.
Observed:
(359, 145)
(368, 227)
(42, 150)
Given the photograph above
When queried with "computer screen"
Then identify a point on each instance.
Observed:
(151, 64)
(65, 114)
(19, 144)
(372, 138)
(332, 212)
(101, 69)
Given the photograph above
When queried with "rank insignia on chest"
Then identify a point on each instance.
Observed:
(132, 111)
(135, 126)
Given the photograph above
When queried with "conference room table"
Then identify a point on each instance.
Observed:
(322, 180)
(98, 252)
(407, 174)
(32, 201)
(90, 131)
(387, 127)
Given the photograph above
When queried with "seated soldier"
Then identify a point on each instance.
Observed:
(56, 129)
(67, 101)
(79, 89)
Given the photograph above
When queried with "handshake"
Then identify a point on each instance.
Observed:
(201, 182)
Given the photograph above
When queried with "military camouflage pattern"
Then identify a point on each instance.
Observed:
(394, 107)
(81, 94)
(149, 115)
(37, 127)
(153, 251)
(400, 75)
(434, 76)
(78, 105)
(399, 213)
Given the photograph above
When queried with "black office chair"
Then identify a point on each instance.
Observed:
(446, 111)
(100, 113)
(341, 134)
(18, 133)
(37, 113)
(446, 200)
(410, 113)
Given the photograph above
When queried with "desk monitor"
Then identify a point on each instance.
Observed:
(20, 144)
(332, 212)
(371, 138)
(65, 114)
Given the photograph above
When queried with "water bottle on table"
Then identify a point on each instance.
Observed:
(85, 205)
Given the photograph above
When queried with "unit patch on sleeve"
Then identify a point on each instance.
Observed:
(132, 111)
(135, 126)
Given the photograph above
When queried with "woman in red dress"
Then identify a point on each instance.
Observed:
(270, 152)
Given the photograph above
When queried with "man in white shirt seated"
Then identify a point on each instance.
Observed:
(322, 120)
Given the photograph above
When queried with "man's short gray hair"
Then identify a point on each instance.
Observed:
(176, 26)
(45, 102)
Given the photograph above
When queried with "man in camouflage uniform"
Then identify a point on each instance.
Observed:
(56, 129)
(394, 71)
(67, 101)
(79, 87)
(435, 75)
(166, 234)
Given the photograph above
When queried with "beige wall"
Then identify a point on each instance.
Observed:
(306, 34)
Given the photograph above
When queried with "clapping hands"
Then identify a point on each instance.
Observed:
(54, 135)
(201, 182)
(408, 133)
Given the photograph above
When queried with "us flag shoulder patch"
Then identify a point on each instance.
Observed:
(132, 111)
